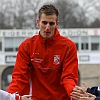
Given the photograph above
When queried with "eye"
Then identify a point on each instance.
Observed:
(44, 22)
(52, 23)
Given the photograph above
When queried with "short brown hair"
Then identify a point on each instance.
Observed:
(48, 10)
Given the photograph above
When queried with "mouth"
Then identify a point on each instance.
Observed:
(47, 32)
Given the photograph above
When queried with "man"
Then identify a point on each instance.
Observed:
(86, 93)
(46, 64)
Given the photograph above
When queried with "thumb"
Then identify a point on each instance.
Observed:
(85, 85)
(27, 96)
(90, 95)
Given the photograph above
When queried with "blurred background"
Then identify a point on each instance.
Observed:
(22, 14)
(79, 21)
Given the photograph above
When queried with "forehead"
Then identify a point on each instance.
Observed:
(45, 17)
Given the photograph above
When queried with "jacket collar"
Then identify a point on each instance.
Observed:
(50, 41)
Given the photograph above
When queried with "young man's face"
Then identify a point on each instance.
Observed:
(47, 24)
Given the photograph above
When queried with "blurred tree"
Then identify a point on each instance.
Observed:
(1, 20)
(91, 9)
(21, 14)
(3, 25)
(95, 24)
(18, 21)
(71, 14)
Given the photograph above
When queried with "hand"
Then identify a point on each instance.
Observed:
(90, 97)
(26, 97)
(79, 91)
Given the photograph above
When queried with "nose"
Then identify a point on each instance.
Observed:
(48, 26)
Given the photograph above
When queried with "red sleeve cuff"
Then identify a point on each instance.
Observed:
(18, 97)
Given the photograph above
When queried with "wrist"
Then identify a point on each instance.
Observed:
(17, 97)
(20, 97)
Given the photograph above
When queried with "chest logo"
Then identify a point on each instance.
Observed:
(56, 59)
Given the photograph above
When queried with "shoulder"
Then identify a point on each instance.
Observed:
(29, 40)
(67, 41)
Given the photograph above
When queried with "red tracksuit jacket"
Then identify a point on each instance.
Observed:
(52, 66)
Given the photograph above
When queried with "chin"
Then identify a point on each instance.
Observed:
(46, 37)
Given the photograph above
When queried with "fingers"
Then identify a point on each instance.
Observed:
(75, 95)
(85, 85)
(84, 98)
(27, 97)
(90, 95)
(77, 88)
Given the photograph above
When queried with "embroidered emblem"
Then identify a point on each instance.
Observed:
(56, 59)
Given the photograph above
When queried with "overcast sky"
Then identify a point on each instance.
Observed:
(79, 1)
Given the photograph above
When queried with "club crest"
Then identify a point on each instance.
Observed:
(56, 59)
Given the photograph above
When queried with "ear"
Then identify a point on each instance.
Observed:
(38, 22)
(57, 23)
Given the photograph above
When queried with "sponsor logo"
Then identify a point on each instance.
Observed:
(84, 58)
(10, 59)
(37, 60)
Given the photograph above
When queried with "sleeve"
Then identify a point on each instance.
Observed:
(21, 72)
(97, 98)
(70, 69)
(94, 90)
(6, 96)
